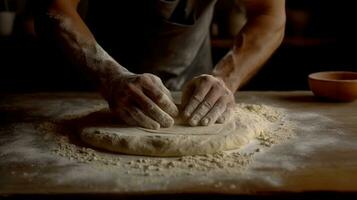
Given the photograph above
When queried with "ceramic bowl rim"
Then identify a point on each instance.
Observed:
(312, 76)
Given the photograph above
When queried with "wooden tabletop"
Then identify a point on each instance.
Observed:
(322, 157)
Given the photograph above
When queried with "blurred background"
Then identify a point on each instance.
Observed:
(320, 36)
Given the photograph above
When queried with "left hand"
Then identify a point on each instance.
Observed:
(206, 100)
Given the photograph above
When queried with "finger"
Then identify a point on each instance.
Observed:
(216, 111)
(141, 119)
(227, 115)
(156, 79)
(126, 117)
(164, 88)
(187, 92)
(162, 100)
(205, 106)
(169, 95)
(119, 110)
(151, 109)
(196, 98)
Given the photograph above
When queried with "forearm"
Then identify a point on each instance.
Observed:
(257, 41)
(68, 31)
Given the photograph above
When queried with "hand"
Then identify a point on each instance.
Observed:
(206, 100)
(142, 100)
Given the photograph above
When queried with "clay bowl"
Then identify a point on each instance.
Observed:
(334, 85)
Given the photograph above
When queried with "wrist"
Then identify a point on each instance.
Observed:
(232, 85)
(110, 77)
(228, 70)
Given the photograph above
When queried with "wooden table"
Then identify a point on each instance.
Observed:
(322, 158)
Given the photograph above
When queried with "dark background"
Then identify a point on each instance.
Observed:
(320, 36)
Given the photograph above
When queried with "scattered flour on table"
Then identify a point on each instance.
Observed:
(280, 130)
(37, 149)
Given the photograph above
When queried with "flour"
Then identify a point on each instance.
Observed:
(249, 121)
(65, 147)
(146, 165)
(49, 142)
(40, 150)
(228, 162)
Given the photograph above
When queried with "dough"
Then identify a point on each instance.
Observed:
(180, 128)
(247, 122)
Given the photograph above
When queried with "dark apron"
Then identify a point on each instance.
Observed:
(166, 38)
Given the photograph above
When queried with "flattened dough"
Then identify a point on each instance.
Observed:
(179, 140)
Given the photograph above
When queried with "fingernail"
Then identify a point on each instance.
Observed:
(175, 112)
(221, 120)
(193, 121)
(186, 114)
(156, 126)
(205, 121)
(168, 123)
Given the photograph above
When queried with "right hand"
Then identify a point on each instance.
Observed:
(142, 100)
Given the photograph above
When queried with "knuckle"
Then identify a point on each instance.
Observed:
(156, 78)
(134, 80)
(160, 97)
(197, 98)
(166, 105)
(151, 109)
(148, 75)
(207, 104)
(199, 114)
(207, 78)
(157, 115)
(216, 87)
(144, 79)
(151, 77)
(130, 87)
